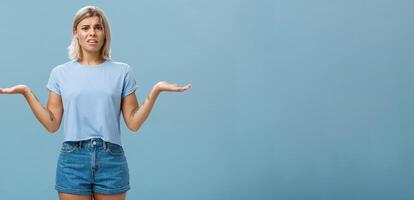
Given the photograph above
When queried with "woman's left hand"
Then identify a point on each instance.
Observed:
(171, 87)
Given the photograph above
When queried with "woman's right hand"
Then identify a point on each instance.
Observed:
(17, 89)
(49, 116)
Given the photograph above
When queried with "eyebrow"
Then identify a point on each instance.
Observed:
(95, 25)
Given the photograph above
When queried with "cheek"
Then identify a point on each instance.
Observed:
(102, 37)
(82, 40)
(81, 33)
(83, 36)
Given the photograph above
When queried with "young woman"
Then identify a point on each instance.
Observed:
(89, 93)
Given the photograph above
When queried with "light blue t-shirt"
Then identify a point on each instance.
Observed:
(91, 97)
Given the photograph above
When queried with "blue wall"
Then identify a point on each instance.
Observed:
(290, 100)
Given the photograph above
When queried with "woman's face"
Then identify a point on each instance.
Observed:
(91, 34)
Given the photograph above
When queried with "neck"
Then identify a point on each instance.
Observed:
(90, 59)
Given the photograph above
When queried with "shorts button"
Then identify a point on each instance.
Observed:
(94, 142)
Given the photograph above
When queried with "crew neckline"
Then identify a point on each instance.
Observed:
(91, 66)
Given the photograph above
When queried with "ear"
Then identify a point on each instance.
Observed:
(74, 31)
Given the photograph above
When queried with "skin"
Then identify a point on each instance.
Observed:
(90, 28)
(133, 113)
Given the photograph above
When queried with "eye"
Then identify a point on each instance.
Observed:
(85, 28)
(99, 28)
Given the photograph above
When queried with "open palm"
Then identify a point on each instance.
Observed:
(171, 87)
(17, 89)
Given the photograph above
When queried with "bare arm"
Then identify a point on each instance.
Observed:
(49, 116)
(135, 114)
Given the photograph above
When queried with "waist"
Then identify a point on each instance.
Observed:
(93, 142)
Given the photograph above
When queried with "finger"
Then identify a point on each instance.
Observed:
(187, 87)
(182, 89)
(176, 89)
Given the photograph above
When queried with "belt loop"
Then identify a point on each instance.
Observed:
(104, 145)
(80, 144)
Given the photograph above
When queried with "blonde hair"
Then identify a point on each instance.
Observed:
(74, 49)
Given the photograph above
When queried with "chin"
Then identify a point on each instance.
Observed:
(92, 50)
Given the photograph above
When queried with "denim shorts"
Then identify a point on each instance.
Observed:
(92, 166)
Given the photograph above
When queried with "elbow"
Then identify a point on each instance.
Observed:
(52, 129)
(133, 128)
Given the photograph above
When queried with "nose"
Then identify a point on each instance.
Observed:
(92, 32)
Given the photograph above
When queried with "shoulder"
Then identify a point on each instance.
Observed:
(121, 65)
(58, 71)
(61, 67)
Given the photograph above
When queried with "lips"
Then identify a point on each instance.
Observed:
(91, 41)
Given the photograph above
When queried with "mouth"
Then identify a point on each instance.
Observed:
(91, 41)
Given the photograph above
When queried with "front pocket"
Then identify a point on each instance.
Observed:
(67, 147)
(115, 149)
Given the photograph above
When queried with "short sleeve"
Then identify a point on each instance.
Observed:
(129, 83)
(53, 83)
